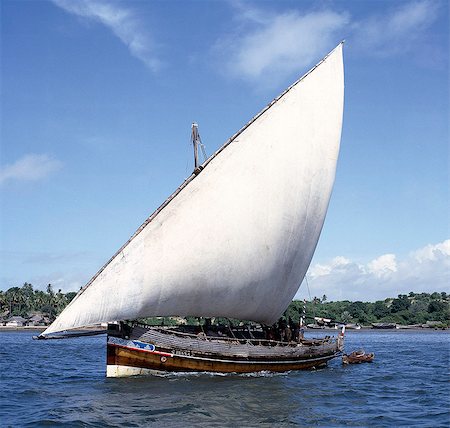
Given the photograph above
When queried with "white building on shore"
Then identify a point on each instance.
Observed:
(16, 322)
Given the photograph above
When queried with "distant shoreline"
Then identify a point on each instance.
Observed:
(308, 330)
(42, 328)
(24, 328)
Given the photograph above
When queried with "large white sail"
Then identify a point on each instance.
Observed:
(235, 240)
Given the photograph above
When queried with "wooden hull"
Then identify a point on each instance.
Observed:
(128, 358)
(357, 359)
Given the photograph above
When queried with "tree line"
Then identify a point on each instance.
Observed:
(24, 301)
(405, 309)
(414, 308)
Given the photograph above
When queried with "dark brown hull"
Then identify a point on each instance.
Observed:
(123, 361)
(350, 359)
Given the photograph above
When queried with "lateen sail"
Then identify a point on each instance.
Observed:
(235, 240)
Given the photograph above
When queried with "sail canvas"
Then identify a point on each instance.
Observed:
(236, 239)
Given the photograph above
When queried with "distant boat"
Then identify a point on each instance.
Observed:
(234, 240)
(315, 326)
(408, 327)
(353, 326)
(384, 325)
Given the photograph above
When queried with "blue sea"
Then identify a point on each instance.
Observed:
(62, 383)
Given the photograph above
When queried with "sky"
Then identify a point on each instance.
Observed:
(98, 98)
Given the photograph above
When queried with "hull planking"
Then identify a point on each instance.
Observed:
(132, 357)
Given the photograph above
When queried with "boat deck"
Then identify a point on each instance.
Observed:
(233, 348)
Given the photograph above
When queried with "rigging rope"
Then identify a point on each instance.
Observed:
(309, 292)
(307, 286)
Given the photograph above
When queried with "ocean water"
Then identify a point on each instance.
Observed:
(62, 383)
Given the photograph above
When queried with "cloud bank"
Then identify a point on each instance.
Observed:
(424, 270)
(123, 22)
(31, 167)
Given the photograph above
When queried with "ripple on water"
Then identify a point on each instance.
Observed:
(52, 384)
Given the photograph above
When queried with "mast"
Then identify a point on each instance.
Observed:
(196, 143)
(195, 139)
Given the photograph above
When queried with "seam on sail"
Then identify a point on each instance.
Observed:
(193, 176)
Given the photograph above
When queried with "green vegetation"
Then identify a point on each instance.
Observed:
(414, 308)
(25, 300)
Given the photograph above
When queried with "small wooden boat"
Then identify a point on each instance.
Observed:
(357, 357)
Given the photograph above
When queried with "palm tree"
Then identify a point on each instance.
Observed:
(60, 301)
(13, 296)
(27, 295)
(346, 317)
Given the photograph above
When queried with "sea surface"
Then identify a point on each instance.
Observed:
(62, 383)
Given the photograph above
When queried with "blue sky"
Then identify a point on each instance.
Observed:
(98, 98)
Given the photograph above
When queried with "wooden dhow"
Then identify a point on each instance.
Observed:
(262, 199)
(142, 350)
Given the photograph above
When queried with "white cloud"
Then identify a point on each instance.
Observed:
(271, 46)
(424, 270)
(383, 265)
(397, 30)
(338, 263)
(267, 47)
(123, 22)
(31, 167)
(432, 252)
